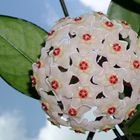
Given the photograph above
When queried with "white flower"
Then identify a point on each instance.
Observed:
(110, 78)
(79, 127)
(85, 94)
(108, 123)
(115, 51)
(129, 108)
(83, 71)
(132, 67)
(56, 82)
(108, 106)
(39, 76)
(85, 67)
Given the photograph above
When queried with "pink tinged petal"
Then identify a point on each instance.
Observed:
(58, 119)
(79, 126)
(39, 79)
(84, 77)
(66, 91)
(49, 99)
(53, 121)
(66, 102)
(82, 110)
(76, 59)
(76, 102)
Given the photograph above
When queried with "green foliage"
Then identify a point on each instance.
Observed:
(20, 44)
(138, 1)
(132, 126)
(126, 10)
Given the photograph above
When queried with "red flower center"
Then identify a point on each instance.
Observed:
(86, 37)
(136, 64)
(51, 33)
(116, 47)
(83, 65)
(44, 107)
(38, 64)
(55, 84)
(113, 79)
(109, 24)
(78, 131)
(124, 22)
(78, 19)
(131, 113)
(100, 13)
(72, 112)
(106, 129)
(83, 93)
(33, 79)
(111, 110)
(56, 51)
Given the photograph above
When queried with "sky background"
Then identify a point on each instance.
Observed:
(21, 117)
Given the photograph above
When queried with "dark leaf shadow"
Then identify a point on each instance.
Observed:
(129, 4)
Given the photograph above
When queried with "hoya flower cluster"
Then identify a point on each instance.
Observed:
(88, 75)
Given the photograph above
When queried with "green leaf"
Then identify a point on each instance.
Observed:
(136, 137)
(133, 125)
(20, 45)
(138, 1)
(128, 11)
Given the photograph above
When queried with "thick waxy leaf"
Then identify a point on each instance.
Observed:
(134, 123)
(128, 11)
(20, 44)
(138, 1)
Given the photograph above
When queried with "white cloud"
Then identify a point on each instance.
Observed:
(12, 128)
(51, 132)
(100, 5)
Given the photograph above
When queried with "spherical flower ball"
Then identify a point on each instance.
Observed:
(88, 73)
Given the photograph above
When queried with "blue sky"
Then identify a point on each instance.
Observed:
(20, 116)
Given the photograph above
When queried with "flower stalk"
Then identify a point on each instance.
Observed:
(64, 8)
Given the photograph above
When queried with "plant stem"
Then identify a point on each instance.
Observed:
(90, 135)
(119, 137)
(64, 8)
